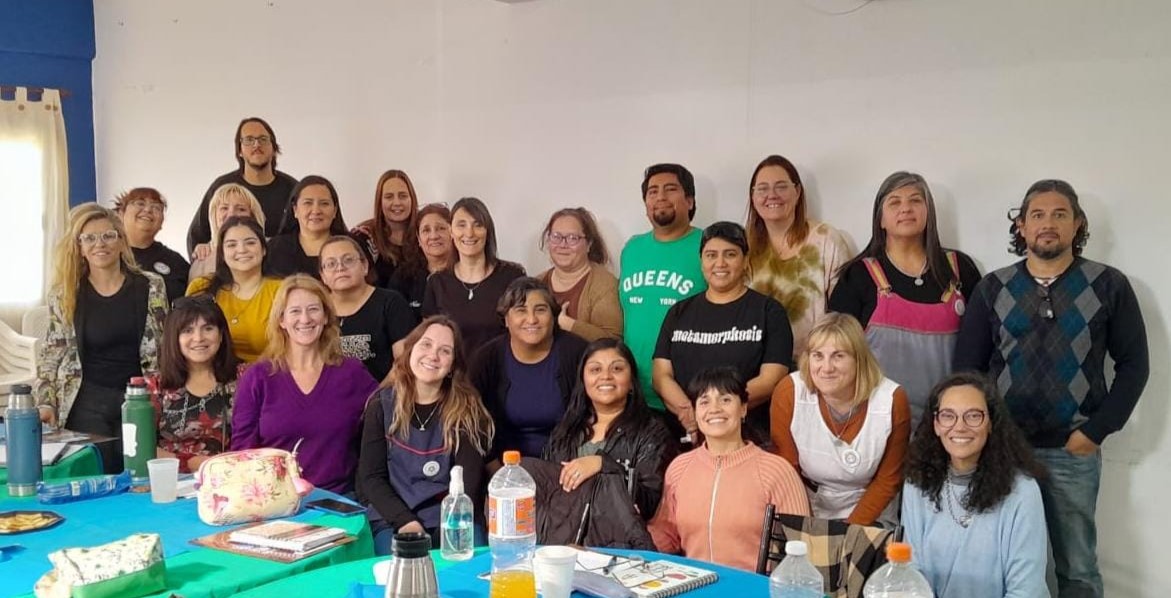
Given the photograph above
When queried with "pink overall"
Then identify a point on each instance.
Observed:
(914, 342)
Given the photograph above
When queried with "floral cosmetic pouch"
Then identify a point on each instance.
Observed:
(126, 568)
(250, 485)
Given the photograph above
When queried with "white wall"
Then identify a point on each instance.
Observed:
(552, 103)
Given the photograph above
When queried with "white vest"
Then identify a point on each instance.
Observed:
(842, 471)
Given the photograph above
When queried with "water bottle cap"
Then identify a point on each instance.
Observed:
(511, 457)
(21, 389)
(411, 545)
(138, 381)
(898, 552)
(796, 548)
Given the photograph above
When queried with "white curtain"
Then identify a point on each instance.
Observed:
(34, 189)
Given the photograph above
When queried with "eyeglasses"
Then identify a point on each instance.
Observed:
(1047, 306)
(90, 239)
(347, 262)
(973, 418)
(142, 204)
(250, 141)
(778, 189)
(570, 240)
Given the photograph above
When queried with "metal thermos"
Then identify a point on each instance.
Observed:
(412, 573)
(22, 424)
(139, 431)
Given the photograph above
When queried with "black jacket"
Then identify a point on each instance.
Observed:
(611, 521)
(640, 457)
(490, 377)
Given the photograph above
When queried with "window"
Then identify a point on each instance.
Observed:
(22, 195)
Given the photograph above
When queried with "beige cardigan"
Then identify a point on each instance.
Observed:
(599, 314)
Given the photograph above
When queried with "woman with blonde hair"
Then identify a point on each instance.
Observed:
(393, 227)
(843, 425)
(793, 258)
(105, 321)
(426, 419)
(581, 284)
(303, 390)
(230, 200)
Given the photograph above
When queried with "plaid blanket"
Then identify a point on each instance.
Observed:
(845, 554)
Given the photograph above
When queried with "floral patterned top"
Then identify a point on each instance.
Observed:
(191, 425)
(803, 283)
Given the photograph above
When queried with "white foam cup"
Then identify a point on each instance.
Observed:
(553, 570)
(164, 477)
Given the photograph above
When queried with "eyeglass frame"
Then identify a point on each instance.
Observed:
(1047, 312)
(157, 207)
(251, 141)
(983, 417)
(552, 239)
(90, 239)
(778, 189)
(350, 260)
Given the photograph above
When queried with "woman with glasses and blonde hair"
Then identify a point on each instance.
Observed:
(426, 419)
(843, 425)
(972, 508)
(581, 284)
(906, 289)
(794, 259)
(392, 229)
(105, 321)
(431, 251)
(304, 391)
(230, 200)
(372, 319)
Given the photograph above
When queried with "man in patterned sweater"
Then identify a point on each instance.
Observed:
(1042, 328)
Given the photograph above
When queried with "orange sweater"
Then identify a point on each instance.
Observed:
(713, 506)
(887, 481)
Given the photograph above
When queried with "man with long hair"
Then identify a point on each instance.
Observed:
(1042, 328)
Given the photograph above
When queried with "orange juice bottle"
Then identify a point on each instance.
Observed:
(512, 584)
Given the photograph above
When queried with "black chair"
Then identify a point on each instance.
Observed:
(844, 553)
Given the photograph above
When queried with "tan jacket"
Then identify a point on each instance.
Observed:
(599, 314)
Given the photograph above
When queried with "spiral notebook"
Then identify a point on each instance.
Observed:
(647, 579)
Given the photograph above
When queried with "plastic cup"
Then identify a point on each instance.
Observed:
(553, 569)
(164, 478)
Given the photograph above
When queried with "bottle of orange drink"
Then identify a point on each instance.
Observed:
(512, 530)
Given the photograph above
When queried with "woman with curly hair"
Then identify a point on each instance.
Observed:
(971, 504)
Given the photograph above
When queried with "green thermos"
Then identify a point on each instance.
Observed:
(139, 434)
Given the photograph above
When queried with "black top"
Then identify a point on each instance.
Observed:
(381, 267)
(412, 285)
(472, 306)
(110, 331)
(286, 256)
(373, 478)
(746, 333)
(857, 295)
(273, 197)
(369, 333)
(489, 372)
(165, 262)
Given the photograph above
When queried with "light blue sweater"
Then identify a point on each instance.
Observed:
(1001, 553)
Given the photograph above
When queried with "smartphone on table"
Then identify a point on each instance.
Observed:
(336, 507)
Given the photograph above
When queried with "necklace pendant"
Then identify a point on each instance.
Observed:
(421, 428)
(918, 281)
(471, 293)
(235, 320)
(965, 520)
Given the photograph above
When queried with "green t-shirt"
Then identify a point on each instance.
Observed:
(655, 275)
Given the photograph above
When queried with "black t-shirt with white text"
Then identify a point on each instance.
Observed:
(369, 334)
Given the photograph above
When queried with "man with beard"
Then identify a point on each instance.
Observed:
(1042, 329)
(142, 210)
(256, 152)
(658, 269)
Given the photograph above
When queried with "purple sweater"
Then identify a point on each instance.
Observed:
(270, 411)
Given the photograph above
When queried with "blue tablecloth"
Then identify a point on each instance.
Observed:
(102, 520)
(461, 581)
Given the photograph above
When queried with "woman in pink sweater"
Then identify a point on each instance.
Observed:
(714, 497)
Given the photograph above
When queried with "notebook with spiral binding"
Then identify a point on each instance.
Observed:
(662, 578)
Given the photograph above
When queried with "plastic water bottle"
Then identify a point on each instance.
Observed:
(54, 493)
(898, 578)
(22, 423)
(796, 577)
(512, 530)
(139, 431)
(455, 520)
